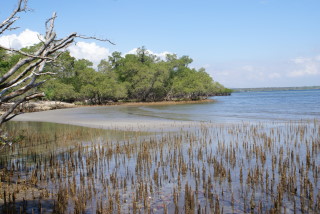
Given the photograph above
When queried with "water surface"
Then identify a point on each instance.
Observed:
(233, 167)
(276, 106)
(245, 106)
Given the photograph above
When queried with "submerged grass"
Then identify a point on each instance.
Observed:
(240, 168)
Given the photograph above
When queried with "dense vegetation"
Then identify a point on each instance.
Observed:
(133, 77)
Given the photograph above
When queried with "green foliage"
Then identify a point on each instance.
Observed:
(219, 89)
(7, 60)
(141, 77)
(144, 77)
(64, 67)
(56, 90)
(192, 84)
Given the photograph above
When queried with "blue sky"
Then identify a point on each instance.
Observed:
(241, 43)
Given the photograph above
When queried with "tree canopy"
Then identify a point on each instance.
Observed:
(134, 77)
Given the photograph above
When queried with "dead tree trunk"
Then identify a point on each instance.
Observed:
(19, 84)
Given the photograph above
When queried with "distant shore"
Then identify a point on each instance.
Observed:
(275, 89)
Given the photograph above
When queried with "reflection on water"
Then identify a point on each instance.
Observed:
(241, 168)
(281, 106)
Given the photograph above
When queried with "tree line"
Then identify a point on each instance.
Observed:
(134, 77)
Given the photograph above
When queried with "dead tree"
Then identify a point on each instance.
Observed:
(19, 84)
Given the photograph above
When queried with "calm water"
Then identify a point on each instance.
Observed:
(278, 106)
(233, 168)
(246, 106)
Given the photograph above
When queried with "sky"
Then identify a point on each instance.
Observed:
(240, 43)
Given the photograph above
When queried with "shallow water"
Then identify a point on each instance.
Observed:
(269, 163)
(236, 168)
(245, 106)
(277, 106)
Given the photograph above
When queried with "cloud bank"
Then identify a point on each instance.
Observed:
(24, 39)
(81, 50)
(300, 71)
(306, 66)
(90, 51)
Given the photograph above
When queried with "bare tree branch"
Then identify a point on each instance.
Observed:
(15, 84)
(16, 67)
(5, 117)
(8, 26)
(23, 77)
(24, 53)
(22, 90)
(46, 73)
(22, 7)
(29, 59)
(50, 25)
(95, 38)
(63, 43)
(22, 74)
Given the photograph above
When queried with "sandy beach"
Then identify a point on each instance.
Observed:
(106, 117)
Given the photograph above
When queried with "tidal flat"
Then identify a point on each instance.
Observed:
(266, 167)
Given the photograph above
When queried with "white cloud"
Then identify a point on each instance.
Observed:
(206, 66)
(247, 68)
(274, 75)
(161, 55)
(133, 51)
(198, 66)
(299, 71)
(301, 60)
(90, 51)
(305, 66)
(249, 74)
(24, 39)
(254, 76)
(317, 58)
(253, 73)
(223, 73)
(82, 50)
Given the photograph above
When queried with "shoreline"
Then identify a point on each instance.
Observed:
(130, 117)
(53, 105)
(106, 117)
